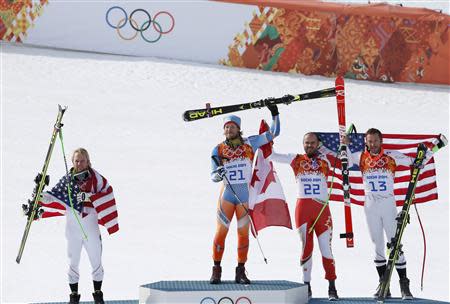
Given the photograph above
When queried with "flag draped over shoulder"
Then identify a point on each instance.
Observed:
(102, 201)
(267, 203)
(426, 189)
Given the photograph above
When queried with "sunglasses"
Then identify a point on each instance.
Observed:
(81, 176)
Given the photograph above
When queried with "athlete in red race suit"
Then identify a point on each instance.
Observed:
(311, 171)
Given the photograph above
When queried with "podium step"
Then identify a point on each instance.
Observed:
(356, 300)
(228, 292)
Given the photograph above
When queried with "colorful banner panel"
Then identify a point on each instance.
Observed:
(377, 42)
(16, 17)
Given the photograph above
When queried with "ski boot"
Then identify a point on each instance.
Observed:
(98, 297)
(74, 298)
(309, 290)
(404, 288)
(332, 292)
(216, 275)
(377, 293)
(241, 278)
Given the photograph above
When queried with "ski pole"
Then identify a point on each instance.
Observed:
(218, 163)
(350, 129)
(69, 192)
(328, 199)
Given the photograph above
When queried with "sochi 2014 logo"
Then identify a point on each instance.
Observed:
(226, 300)
(140, 21)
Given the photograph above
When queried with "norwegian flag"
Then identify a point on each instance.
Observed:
(426, 189)
(267, 203)
(102, 201)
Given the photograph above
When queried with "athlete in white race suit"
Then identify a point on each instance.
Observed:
(87, 185)
(378, 171)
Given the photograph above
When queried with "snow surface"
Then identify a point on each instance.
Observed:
(127, 112)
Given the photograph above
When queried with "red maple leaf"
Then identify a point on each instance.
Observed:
(255, 176)
(269, 179)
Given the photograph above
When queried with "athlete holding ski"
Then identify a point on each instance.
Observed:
(378, 170)
(232, 162)
(311, 171)
(90, 194)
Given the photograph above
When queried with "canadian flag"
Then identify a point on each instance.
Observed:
(267, 203)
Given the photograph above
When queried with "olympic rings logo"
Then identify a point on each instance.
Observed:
(380, 163)
(140, 29)
(307, 166)
(230, 153)
(226, 300)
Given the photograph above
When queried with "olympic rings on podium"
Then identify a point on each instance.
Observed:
(226, 300)
(156, 26)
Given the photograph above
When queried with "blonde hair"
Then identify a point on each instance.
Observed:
(83, 152)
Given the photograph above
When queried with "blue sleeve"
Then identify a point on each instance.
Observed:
(257, 141)
(275, 127)
(215, 155)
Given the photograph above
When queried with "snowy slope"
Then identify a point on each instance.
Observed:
(127, 113)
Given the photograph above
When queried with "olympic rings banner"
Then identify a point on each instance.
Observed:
(199, 31)
(376, 42)
(142, 28)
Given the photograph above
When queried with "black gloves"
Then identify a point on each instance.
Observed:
(27, 209)
(221, 171)
(442, 141)
(273, 109)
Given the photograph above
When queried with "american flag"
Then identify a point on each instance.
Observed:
(102, 201)
(426, 189)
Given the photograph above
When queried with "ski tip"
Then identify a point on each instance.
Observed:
(352, 129)
(339, 80)
(62, 109)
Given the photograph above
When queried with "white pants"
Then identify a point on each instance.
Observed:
(75, 241)
(381, 213)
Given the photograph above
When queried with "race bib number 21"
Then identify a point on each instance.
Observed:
(238, 172)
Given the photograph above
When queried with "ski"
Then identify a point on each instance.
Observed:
(191, 115)
(394, 245)
(340, 99)
(40, 181)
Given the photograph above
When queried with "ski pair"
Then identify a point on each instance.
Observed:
(41, 180)
(340, 100)
(191, 115)
(394, 245)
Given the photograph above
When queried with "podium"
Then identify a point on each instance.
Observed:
(228, 292)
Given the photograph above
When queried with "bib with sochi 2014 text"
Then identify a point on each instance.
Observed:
(378, 183)
(239, 171)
